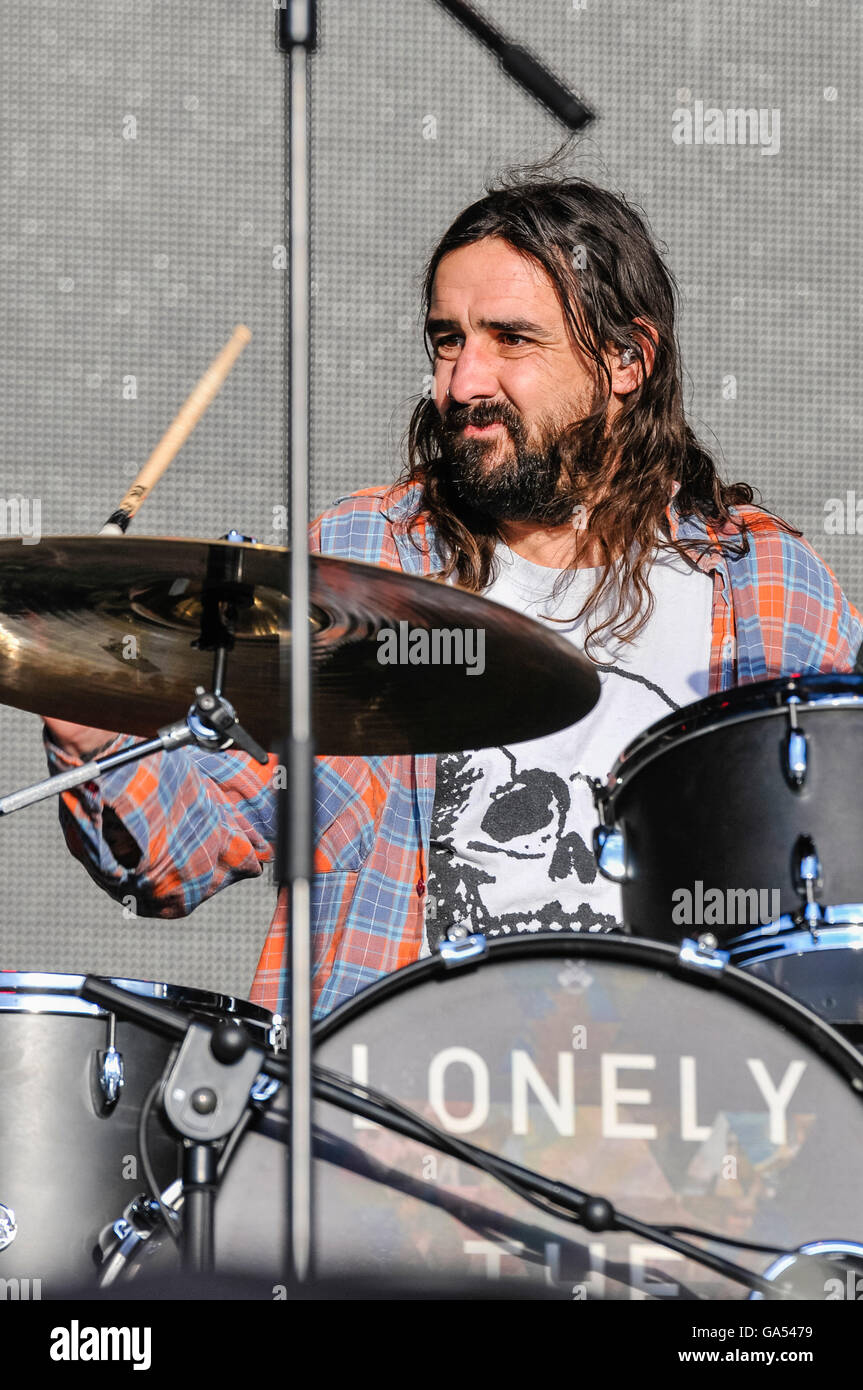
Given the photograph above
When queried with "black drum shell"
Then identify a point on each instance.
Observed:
(716, 809)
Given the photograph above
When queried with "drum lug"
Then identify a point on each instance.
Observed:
(609, 849)
(703, 953)
(112, 1076)
(806, 867)
(796, 758)
(796, 748)
(462, 950)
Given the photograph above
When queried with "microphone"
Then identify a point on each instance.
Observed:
(523, 67)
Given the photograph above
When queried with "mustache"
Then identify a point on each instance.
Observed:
(486, 413)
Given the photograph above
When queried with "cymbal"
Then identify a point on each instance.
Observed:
(99, 630)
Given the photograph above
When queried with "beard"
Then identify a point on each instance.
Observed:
(529, 483)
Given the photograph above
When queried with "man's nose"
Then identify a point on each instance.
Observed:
(474, 376)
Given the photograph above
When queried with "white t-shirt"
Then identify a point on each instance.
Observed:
(512, 827)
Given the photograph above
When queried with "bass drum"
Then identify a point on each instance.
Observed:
(70, 1160)
(688, 1095)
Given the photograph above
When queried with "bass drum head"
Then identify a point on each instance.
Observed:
(684, 1097)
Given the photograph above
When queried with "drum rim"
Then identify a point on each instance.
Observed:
(45, 992)
(722, 977)
(739, 704)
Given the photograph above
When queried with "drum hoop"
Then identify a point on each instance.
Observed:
(783, 945)
(38, 992)
(764, 998)
(760, 700)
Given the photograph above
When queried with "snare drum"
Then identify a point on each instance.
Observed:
(73, 1080)
(737, 820)
(688, 1095)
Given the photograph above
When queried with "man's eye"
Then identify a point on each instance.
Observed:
(446, 342)
(514, 338)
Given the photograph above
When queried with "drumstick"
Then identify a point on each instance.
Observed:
(177, 432)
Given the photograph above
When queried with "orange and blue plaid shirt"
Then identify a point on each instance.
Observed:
(204, 820)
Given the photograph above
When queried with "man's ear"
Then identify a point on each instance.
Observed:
(623, 361)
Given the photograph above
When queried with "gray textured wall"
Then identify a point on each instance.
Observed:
(137, 256)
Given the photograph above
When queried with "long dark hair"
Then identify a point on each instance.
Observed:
(599, 255)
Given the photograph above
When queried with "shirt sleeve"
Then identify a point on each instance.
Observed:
(791, 613)
(172, 829)
(823, 629)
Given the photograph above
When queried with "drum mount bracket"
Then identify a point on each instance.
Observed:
(211, 722)
(206, 1093)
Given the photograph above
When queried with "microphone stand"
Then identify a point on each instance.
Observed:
(296, 34)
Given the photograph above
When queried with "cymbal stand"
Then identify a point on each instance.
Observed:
(211, 721)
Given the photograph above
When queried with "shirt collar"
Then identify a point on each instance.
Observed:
(701, 541)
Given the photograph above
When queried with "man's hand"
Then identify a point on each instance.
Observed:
(77, 740)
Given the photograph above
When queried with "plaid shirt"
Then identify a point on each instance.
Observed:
(204, 820)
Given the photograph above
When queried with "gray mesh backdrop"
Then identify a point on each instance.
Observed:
(136, 256)
(143, 179)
